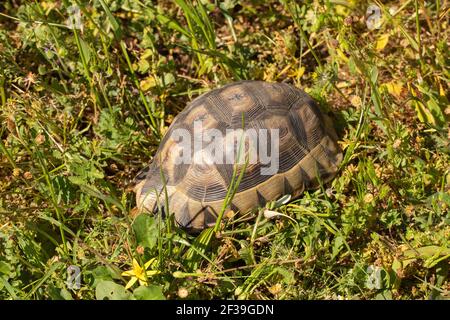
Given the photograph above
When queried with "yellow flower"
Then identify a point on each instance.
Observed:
(139, 273)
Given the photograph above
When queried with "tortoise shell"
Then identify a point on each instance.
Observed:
(195, 190)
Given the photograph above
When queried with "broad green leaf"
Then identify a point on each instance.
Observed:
(151, 292)
(102, 273)
(146, 230)
(427, 252)
(108, 290)
(4, 268)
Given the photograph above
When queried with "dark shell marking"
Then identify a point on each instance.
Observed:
(308, 153)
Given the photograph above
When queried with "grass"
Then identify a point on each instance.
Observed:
(83, 109)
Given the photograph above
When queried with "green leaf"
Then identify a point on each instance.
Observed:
(66, 294)
(172, 24)
(198, 248)
(288, 277)
(384, 295)
(64, 190)
(115, 26)
(102, 273)
(4, 268)
(143, 66)
(108, 290)
(146, 230)
(85, 51)
(151, 292)
(436, 111)
(169, 78)
(427, 252)
(374, 74)
(338, 245)
(58, 294)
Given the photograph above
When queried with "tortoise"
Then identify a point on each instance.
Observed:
(195, 190)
